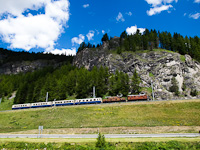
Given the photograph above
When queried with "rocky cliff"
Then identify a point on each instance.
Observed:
(160, 66)
(24, 66)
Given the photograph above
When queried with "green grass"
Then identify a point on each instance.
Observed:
(148, 114)
(92, 140)
(182, 57)
(151, 75)
(6, 105)
(109, 145)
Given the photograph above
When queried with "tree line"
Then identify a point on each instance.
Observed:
(152, 39)
(65, 82)
(12, 56)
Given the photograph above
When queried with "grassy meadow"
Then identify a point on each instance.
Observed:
(143, 114)
(110, 144)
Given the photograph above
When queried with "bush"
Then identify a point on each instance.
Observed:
(174, 88)
(194, 92)
(101, 143)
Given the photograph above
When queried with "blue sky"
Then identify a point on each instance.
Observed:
(59, 26)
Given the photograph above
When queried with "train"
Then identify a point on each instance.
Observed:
(141, 96)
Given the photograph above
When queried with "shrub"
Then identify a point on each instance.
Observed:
(101, 143)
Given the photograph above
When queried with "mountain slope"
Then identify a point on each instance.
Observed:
(160, 66)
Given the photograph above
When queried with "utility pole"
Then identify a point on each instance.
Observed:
(94, 92)
(152, 89)
(47, 97)
(0, 100)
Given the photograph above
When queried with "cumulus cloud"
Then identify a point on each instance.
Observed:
(16, 7)
(86, 5)
(120, 17)
(103, 32)
(197, 1)
(132, 30)
(33, 31)
(90, 35)
(157, 6)
(66, 52)
(195, 16)
(78, 40)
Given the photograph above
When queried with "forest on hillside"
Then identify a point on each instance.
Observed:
(152, 39)
(65, 82)
(12, 56)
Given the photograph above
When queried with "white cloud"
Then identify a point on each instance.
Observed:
(157, 10)
(78, 40)
(129, 13)
(197, 1)
(16, 7)
(184, 14)
(26, 32)
(103, 32)
(120, 17)
(157, 6)
(86, 5)
(195, 16)
(132, 30)
(63, 52)
(90, 35)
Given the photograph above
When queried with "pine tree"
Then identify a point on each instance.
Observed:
(135, 85)
(174, 88)
(105, 37)
(101, 142)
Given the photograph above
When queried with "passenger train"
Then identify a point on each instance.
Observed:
(141, 96)
(58, 103)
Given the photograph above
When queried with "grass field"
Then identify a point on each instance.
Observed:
(144, 114)
(110, 144)
(7, 105)
(92, 140)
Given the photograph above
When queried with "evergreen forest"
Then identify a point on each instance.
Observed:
(66, 82)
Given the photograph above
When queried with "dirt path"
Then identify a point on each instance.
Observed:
(118, 130)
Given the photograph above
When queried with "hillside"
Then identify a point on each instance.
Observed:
(22, 62)
(157, 65)
(151, 114)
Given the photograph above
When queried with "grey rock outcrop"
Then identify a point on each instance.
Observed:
(159, 66)
(24, 66)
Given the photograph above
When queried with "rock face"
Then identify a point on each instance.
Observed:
(24, 66)
(159, 66)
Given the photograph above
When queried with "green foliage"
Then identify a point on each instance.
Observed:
(174, 88)
(105, 37)
(135, 84)
(63, 82)
(183, 86)
(101, 142)
(151, 74)
(119, 84)
(194, 92)
(96, 116)
(83, 45)
(12, 56)
(151, 39)
(182, 57)
(171, 145)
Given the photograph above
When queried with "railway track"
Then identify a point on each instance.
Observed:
(139, 101)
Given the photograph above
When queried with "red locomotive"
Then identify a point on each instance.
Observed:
(141, 96)
(114, 99)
